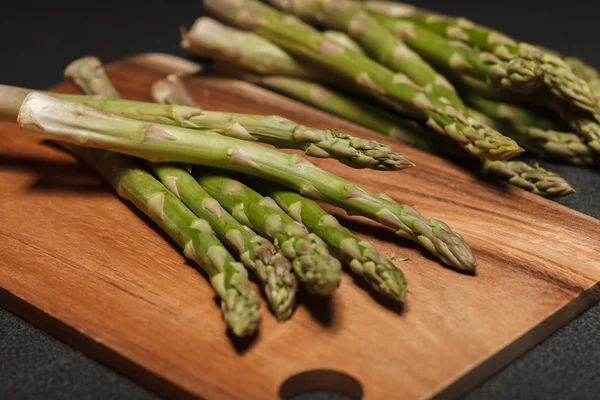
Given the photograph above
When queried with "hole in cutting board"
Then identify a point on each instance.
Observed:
(321, 380)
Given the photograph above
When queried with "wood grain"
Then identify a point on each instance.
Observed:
(95, 273)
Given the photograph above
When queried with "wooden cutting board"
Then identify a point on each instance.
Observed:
(94, 272)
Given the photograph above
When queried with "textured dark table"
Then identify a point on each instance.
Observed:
(38, 41)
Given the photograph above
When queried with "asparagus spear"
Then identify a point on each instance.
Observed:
(210, 38)
(172, 91)
(88, 72)
(360, 255)
(535, 132)
(54, 118)
(239, 303)
(375, 40)
(558, 77)
(303, 40)
(314, 266)
(257, 253)
(277, 131)
(468, 66)
(529, 177)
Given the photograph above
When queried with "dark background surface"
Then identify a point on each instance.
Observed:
(38, 41)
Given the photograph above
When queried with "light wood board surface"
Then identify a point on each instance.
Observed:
(91, 270)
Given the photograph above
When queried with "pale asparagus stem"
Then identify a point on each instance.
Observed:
(360, 255)
(80, 124)
(277, 131)
(375, 40)
(535, 132)
(314, 266)
(271, 267)
(171, 90)
(257, 254)
(240, 305)
(462, 62)
(530, 177)
(303, 40)
(208, 37)
(410, 132)
(88, 72)
(558, 77)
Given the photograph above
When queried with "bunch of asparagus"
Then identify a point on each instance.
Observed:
(442, 84)
(232, 205)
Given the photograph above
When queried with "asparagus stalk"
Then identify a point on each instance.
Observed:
(257, 253)
(80, 124)
(375, 40)
(558, 77)
(172, 91)
(530, 177)
(277, 131)
(229, 279)
(303, 40)
(465, 64)
(210, 38)
(525, 176)
(535, 132)
(360, 255)
(87, 72)
(314, 266)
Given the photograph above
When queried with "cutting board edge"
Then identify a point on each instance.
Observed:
(480, 372)
(90, 347)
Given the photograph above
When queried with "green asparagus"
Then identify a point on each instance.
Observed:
(463, 63)
(303, 40)
(277, 131)
(88, 72)
(375, 40)
(536, 132)
(314, 266)
(210, 38)
(529, 177)
(557, 75)
(360, 255)
(257, 253)
(229, 279)
(53, 118)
